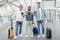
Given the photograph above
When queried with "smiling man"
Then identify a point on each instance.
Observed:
(19, 15)
(40, 17)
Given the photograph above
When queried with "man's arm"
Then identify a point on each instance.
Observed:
(45, 16)
(23, 13)
(34, 14)
(26, 13)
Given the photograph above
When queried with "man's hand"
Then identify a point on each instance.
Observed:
(45, 19)
(33, 22)
(24, 15)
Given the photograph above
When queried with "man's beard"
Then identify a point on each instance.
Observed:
(29, 9)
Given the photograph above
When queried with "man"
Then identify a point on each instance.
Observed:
(19, 21)
(29, 21)
(40, 17)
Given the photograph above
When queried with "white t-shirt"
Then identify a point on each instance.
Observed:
(19, 16)
(40, 13)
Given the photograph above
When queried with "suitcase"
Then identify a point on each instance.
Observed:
(35, 30)
(10, 31)
(48, 33)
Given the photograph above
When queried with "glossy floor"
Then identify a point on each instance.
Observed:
(54, 27)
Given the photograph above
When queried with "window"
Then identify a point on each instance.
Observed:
(58, 3)
(0, 0)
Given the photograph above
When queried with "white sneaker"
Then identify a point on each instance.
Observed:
(31, 35)
(20, 35)
(26, 35)
(38, 36)
(15, 37)
(43, 35)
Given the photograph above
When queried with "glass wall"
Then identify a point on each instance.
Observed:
(49, 5)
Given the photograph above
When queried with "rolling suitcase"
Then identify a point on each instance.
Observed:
(48, 33)
(10, 31)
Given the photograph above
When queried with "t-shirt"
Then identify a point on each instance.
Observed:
(19, 16)
(29, 16)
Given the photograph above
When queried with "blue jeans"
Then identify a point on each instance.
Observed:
(42, 25)
(18, 27)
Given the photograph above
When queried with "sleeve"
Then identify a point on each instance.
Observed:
(45, 14)
(23, 14)
(34, 11)
(26, 13)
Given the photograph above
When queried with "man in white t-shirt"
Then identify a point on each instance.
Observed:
(19, 15)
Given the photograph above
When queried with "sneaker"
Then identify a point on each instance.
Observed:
(15, 37)
(43, 35)
(26, 35)
(20, 35)
(31, 35)
(38, 36)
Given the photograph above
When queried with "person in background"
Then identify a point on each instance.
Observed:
(19, 15)
(40, 17)
(29, 21)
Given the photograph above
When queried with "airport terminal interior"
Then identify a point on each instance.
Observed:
(9, 7)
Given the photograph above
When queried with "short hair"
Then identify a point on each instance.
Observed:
(29, 6)
(21, 5)
(38, 2)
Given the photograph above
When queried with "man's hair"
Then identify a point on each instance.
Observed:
(21, 5)
(38, 2)
(29, 6)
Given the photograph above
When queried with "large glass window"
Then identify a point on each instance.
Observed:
(0, 0)
(48, 3)
(58, 15)
(57, 3)
(51, 14)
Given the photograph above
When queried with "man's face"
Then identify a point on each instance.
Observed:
(29, 8)
(21, 7)
(38, 5)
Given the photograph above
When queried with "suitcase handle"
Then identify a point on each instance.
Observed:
(11, 24)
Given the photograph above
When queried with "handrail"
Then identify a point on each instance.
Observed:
(6, 24)
(5, 15)
(13, 4)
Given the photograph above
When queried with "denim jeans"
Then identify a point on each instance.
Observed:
(42, 25)
(18, 27)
